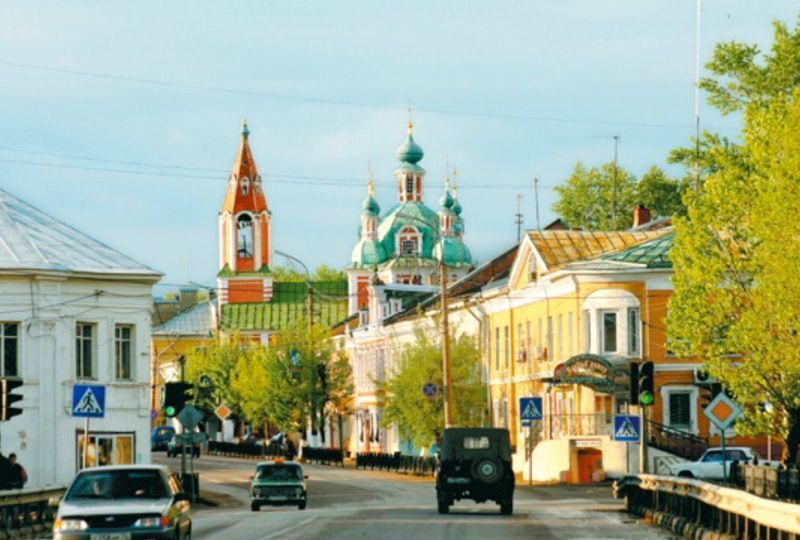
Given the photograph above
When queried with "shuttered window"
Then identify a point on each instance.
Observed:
(680, 414)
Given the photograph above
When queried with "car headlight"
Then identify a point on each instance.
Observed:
(298, 491)
(154, 521)
(65, 525)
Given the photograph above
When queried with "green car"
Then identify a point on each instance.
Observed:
(278, 483)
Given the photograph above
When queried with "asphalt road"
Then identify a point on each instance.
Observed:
(347, 504)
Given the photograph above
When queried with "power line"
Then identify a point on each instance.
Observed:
(330, 101)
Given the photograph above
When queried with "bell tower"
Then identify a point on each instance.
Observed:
(245, 236)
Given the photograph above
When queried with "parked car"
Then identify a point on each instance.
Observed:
(160, 436)
(709, 466)
(475, 463)
(278, 482)
(133, 502)
(174, 448)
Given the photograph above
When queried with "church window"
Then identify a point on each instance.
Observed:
(409, 184)
(245, 186)
(257, 184)
(408, 241)
(244, 237)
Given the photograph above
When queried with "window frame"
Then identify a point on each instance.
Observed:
(3, 338)
(80, 350)
(634, 331)
(120, 341)
(602, 313)
(245, 225)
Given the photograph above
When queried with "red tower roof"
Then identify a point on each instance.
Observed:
(244, 191)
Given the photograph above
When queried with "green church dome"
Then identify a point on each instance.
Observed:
(456, 253)
(410, 151)
(368, 252)
(370, 205)
(446, 200)
(456, 208)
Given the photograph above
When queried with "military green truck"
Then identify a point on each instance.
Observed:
(475, 463)
(278, 483)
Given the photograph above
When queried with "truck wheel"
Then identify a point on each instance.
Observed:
(302, 505)
(443, 506)
(507, 508)
(255, 507)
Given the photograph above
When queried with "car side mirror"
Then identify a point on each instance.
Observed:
(53, 502)
(251, 477)
(513, 448)
(181, 497)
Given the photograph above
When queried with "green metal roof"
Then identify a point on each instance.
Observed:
(456, 253)
(227, 272)
(409, 214)
(288, 304)
(652, 254)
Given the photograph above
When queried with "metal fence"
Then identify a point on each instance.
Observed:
(556, 426)
(255, 451)
(766, 481)
(26, 512)
(397, 462)
(324, 456)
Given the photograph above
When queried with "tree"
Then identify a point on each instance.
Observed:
(327, 273)
(737, 272)
(211, 369)
(322, 273)
(586, 199)
(420, 362)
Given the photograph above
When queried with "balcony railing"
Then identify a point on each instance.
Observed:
(556, 426)
(675, 441)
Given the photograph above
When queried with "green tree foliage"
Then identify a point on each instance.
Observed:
(322, 273)
(297, 378)
(419, 362)
(737, 272)
(211, 369)
(586, 199)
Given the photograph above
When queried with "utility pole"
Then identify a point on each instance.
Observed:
(536, 201)
(614, 188)
(182, 363)
(518, 217)
(447, 380)
(698, 8)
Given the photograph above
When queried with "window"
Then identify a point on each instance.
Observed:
(506, 344)
(408, 241)
(244, 237)
(569, 334)
(587, 331)
(84, 350)
(9, 349)
(633, 331)
(549, 339)
(680, 413)
(245, 186)
(497, 348)
(528, 350)
(560, 336)
(122, 352)
(520, 344)
(608, 322)
(475, 443)
(106, 449)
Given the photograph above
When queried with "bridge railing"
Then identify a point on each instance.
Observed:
(692, 507)
(767, 481)
(27, 512)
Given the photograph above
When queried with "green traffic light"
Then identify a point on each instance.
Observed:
(169, 411)
(646, 398)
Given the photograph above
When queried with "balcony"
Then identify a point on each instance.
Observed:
(558, 426)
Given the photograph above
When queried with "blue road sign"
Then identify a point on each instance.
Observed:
(295, 357)
(627, 428)
(89, 400)
(429, 390)
(530, 408)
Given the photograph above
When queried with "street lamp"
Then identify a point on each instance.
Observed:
(309, 288)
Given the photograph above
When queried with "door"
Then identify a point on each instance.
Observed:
(711, 465)
(589, 460)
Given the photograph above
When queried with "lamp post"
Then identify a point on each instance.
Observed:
(309, 287)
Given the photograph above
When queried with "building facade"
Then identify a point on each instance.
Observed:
(74, 311)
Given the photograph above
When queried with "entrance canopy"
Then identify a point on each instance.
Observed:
(587, 369)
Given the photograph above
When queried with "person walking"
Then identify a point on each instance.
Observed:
(19, 476)
(6, 472)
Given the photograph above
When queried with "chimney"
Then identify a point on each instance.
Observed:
(641, 215)
(187, 298)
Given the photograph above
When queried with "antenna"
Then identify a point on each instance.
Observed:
(518, 217)
(536, 201)
(697, 95)
(617, 137)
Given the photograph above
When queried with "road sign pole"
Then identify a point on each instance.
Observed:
(530, 453)
(643, 442)
(724, 460)
(85, 442)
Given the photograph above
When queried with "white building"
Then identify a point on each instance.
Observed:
(72, 311)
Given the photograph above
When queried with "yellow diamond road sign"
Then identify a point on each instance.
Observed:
(222, 411)
(722, 411)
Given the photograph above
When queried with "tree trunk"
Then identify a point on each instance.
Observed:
(341, 439)
(792, 442)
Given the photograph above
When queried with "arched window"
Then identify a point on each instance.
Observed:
(409, 185)
(244, 236)
(245, 186)
(257, 184)
(408, 241)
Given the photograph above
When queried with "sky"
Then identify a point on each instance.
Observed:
(123, 118)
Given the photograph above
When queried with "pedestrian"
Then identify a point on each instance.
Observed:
(19, 476)
(6, 473)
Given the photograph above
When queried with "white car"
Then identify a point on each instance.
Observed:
(709, 466)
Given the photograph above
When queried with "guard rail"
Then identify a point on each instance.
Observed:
(767, 481)
(397, 462)
(692, 508)
(26, 512)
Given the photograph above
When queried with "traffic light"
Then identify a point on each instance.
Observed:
(646, 384)
(708, 393)
(176, 394)
(633, 397)
(8, 411)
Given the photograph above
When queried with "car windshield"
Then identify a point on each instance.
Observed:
(118, 484)
(278, 472)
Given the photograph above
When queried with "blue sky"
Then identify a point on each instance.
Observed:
(505, 90)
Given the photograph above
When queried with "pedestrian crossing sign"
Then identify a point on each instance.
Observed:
(89, 400)
(627, 428)
(530, 408)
